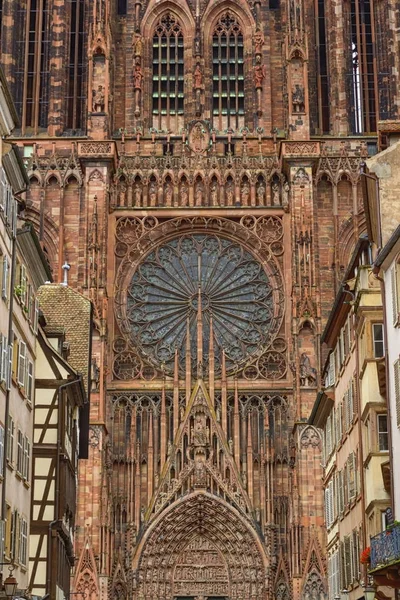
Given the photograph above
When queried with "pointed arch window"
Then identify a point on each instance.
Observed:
(228, 73)
(168, 73)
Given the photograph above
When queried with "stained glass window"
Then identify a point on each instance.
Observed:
(231, 287)
(168, 71)
(228, 73)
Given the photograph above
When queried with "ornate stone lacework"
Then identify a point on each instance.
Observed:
(207, 273)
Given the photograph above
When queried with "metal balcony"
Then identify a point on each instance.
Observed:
(385, 547)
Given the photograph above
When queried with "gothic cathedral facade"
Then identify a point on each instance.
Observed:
(197, 164)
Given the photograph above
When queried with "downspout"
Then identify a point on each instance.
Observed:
(57, 490)
(361, 446)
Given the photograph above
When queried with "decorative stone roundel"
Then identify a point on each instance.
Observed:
(190, 282)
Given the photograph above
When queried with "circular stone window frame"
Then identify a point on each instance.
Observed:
(164, 232)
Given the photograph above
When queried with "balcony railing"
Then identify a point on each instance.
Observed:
(385, 547)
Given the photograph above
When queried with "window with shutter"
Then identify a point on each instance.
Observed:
(5, 278)
(10, 366)
(20, 452)
(3, 358)
(351, 476)
(347, 560)
(343, 582)
(22, 283)
(336, 574)
(23, 542)
(377, 338)
(351, 402)
(36, 317)
(1, 452)
(29, 381)
(396, 373)
(383, 435)
(2, 537)
(10, 439)
(21, 363)
(394, 276)
(27, 458)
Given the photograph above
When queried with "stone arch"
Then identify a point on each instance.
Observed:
(156, 9)
(241, 10)
(209, 521)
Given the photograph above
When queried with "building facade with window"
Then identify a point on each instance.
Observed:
(352, 411)
(197, 164)
(30, 271)
(384, 215)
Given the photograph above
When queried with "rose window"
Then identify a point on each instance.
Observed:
(230, 286)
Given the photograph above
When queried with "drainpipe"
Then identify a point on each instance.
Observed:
(57, 490)
(361, 446)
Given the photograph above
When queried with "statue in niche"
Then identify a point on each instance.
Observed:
(138, 46)
(261, 193)
(153, 193)
(285, 195)
(198, 78)
(137, 77)
(168, 193)
(308, 375)
(259, 74)
(276, 200)
(229, 193)
(245, 193)
(214, 193)
(122, 192)
(138, 194)
(184, 195)
(298, 99)
(199, 194)
(98, 100)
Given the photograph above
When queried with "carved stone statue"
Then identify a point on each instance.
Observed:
(258, 41)
(138, 46)
(138, 194)
(259, 75)
(199, 194)
(214, 193)
(168, 193)
(229, 193)
(137, 77)
(98, 100)
(184, 196)
(308, 375)
(275, 194)
(260, 193)
(285, 195)
(298, 99)
(198, 78)
(245, 193)
(153, 193)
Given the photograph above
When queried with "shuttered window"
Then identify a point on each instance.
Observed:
(5, 277)
(1, 451)
(21, 363)
(396, 373)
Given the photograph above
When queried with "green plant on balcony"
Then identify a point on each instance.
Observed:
(392, 525)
